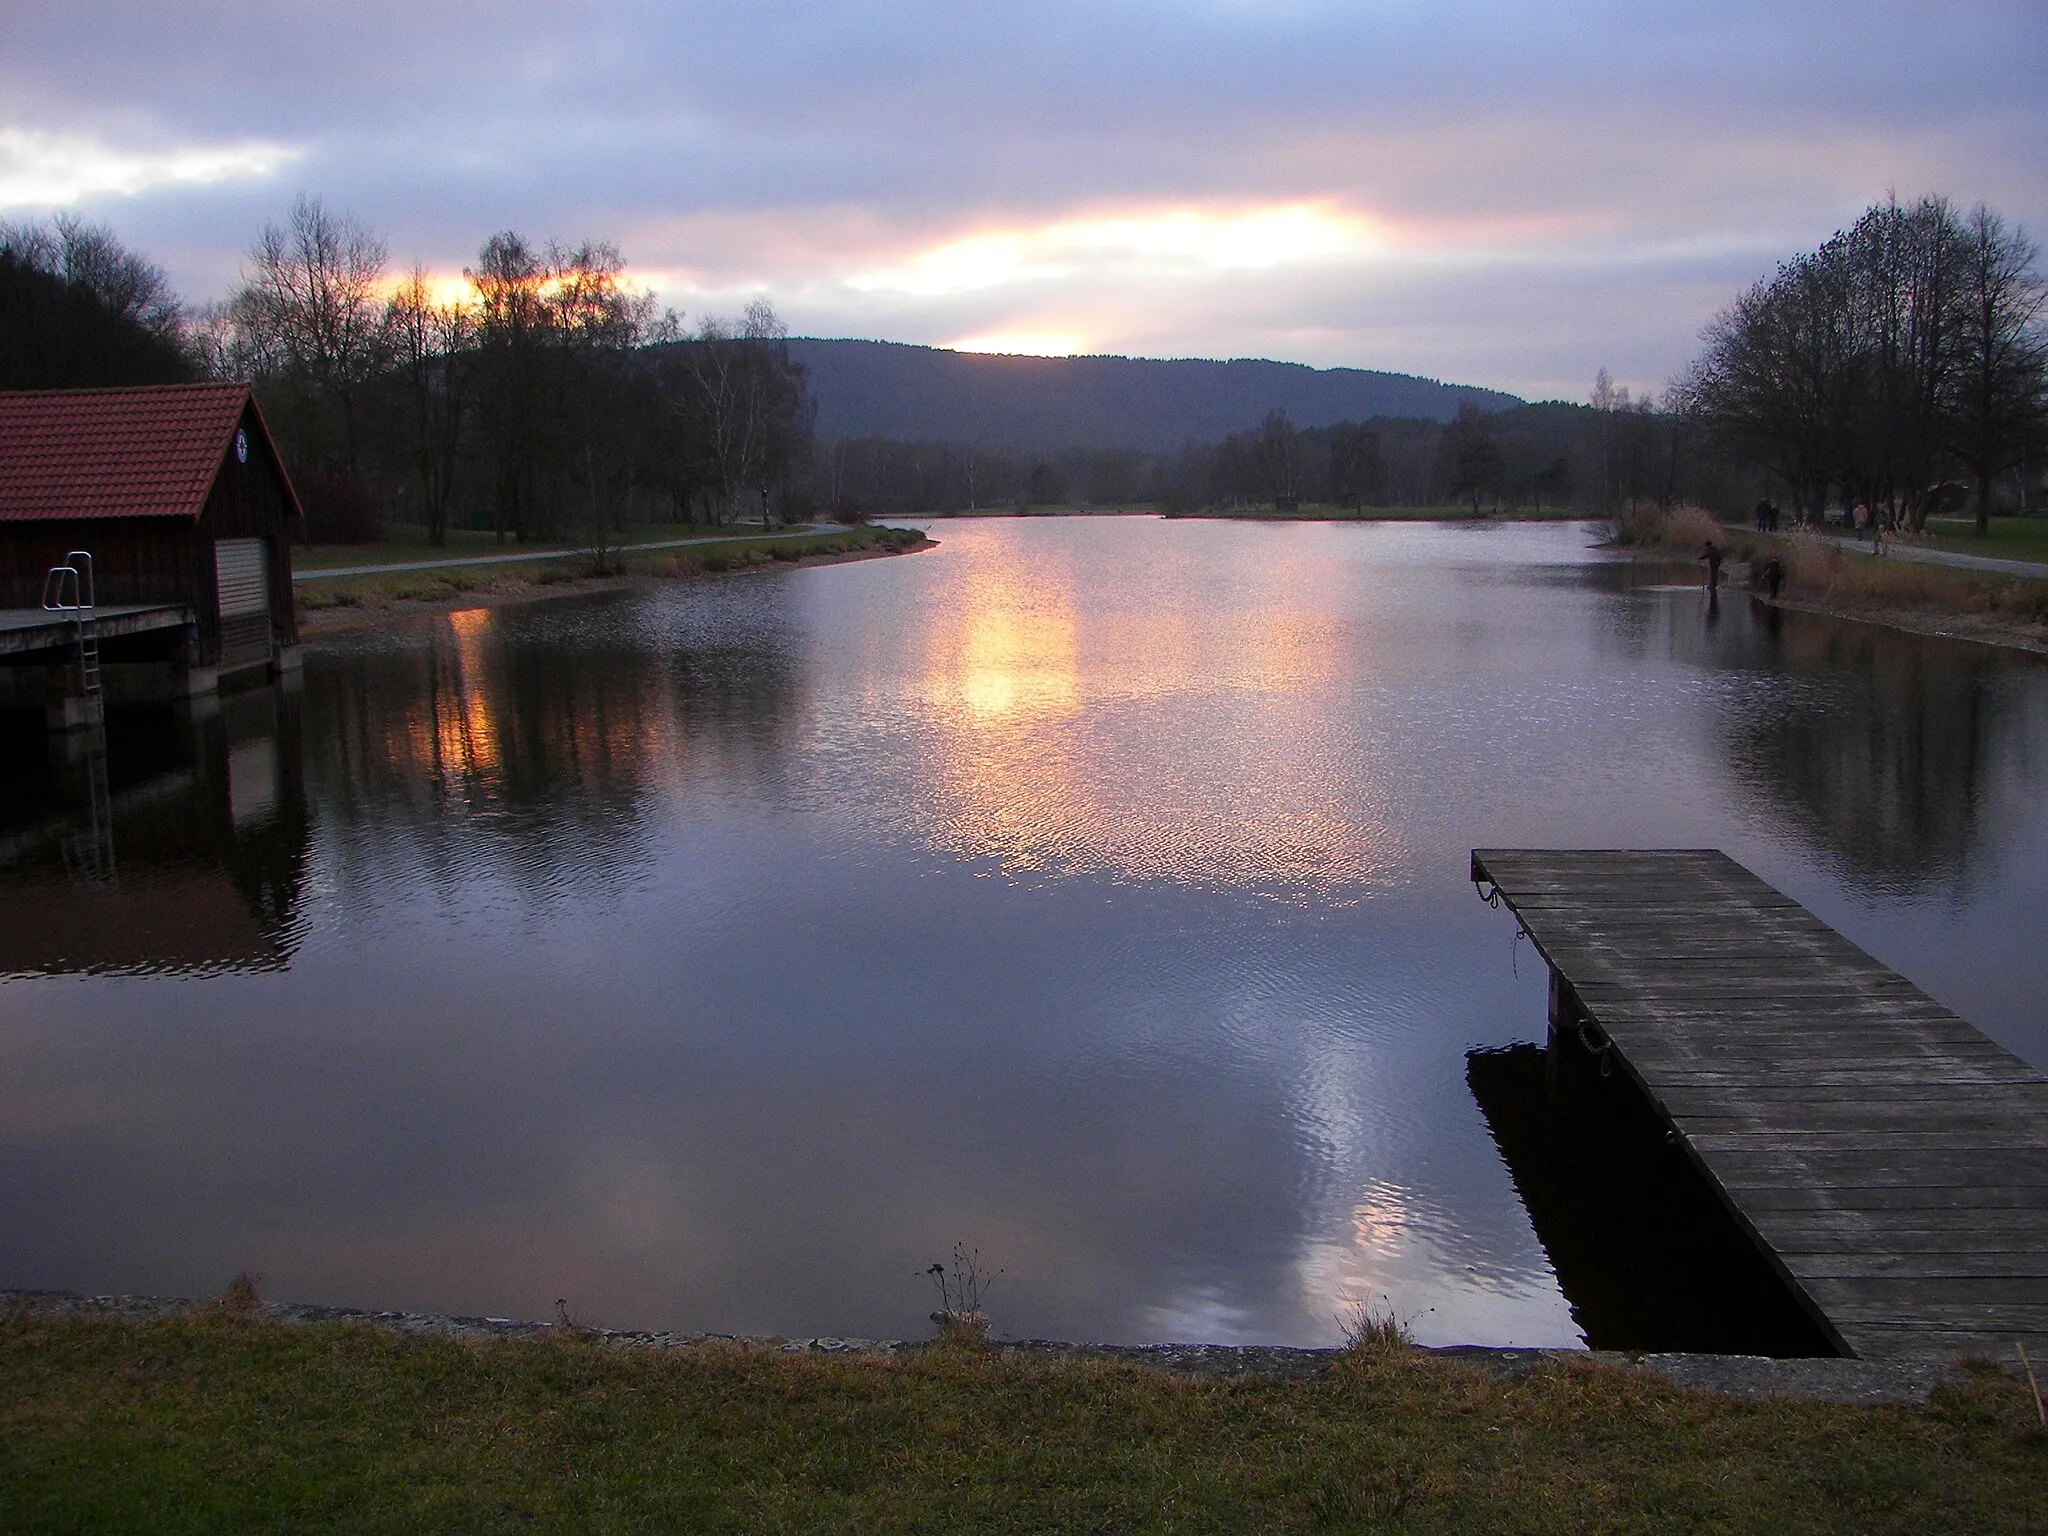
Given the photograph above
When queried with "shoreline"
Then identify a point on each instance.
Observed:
(1947, 622)
(1961, 624)
(373, 609)
(1750, 1377)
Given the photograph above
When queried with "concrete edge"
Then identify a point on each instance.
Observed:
(1753, 1377)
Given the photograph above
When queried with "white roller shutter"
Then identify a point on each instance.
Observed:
(243, 576)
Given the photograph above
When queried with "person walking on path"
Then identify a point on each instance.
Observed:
(1712, 555)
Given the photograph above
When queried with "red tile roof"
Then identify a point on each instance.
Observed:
(151, 451)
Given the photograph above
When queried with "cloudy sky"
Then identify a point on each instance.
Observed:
(1500, 194)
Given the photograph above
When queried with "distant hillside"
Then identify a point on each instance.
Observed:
(886, 389)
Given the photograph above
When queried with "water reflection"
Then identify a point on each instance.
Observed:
(1204, 757)
(1891, 750)
(1091, 892)
(1902, 755)
(535, 756)
(178, 842)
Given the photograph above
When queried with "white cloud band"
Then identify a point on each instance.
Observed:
(51, 170)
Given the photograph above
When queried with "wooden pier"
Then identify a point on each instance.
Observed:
(24, 631)
(1890, 1159)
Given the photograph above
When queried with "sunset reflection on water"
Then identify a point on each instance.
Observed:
(1208, 754)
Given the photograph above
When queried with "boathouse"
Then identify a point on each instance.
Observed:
(179, 497)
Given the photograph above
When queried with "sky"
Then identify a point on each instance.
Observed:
(1511, 195)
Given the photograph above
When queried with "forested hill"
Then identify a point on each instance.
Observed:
(926, 394)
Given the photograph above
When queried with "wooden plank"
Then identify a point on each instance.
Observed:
(1888, 1143)
(1854, 1294)
(1893, 1157)
(1870, 1167)
(1917, 1265)
(1878, 1342)
(1884, 1242)
(1876, 1122)
(1940, 1229)
(1889, 1092)
(1956, 1197)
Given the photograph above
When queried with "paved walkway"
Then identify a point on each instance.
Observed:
(2033, 569)
(528, 556)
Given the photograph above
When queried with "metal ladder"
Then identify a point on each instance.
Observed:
(88, 852)
(73, 580)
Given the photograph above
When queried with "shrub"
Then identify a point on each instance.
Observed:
(1646, 523)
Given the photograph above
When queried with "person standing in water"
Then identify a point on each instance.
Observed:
(1712, 555)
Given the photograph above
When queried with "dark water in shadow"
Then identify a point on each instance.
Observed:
(1091, 892)
(1644, 1250)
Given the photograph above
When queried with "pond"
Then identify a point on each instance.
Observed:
(1092, 893)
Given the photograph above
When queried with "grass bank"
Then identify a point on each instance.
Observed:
(1823, 577)
(217, 1421)
(2011, 538)
(341, 597)
(404, 541)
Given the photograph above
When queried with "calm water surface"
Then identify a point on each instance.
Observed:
(1091, 892)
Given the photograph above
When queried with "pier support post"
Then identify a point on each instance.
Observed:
(64, 712)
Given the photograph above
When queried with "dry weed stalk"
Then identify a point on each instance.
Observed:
(566, 1327)
(960, 1316)
(241, 1299)
(1686, 526)
(2027, 1365)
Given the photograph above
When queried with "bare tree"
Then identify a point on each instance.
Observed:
(555, 330)
(91, 256)
(509, 279)
(2000, 399)
(1767, 379)
(1908, 344)
(432, 343)
(79, 308)
(753, 404)
(313, 310)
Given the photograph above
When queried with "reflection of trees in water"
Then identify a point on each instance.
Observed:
(1892, 751)
(1895, 760)
(535, 759)
(198, 838)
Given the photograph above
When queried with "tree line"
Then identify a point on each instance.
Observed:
(544, 397)
(1905, 353)
(1551, 456)
(541, 397)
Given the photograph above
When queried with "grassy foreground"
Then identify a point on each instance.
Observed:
(209, 1421)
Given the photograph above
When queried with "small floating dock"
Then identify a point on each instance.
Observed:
(1889, 1158)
